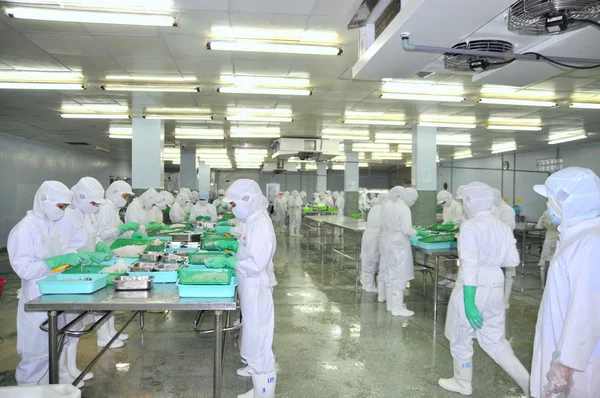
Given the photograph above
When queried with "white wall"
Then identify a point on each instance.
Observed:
(532, 204)
(25, 164)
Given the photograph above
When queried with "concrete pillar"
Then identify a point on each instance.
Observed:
(351, 183)
(147, 145)
(424, 174)
(321, 177)
(188, 170)
(204, 177)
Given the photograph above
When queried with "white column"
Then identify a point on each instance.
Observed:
(188, 171)
(321, 177)
(204, 177)
(147, 165)
(424, 174)
(351, 172)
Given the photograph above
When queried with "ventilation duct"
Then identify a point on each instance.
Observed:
(370, 11)
(472, 63)
(547, 17)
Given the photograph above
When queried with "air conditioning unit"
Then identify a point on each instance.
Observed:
(306, 149)
(279, 167)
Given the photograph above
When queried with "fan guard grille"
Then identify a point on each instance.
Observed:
(460, 62)
(528, 17)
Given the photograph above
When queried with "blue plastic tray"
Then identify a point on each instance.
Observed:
(159, 277)
(437, 245)
(208, 291)
(414, 241)
(162, 238)
(187, 249)
(72, 283)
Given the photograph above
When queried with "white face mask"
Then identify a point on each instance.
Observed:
(203, 202)
(120, 202)
(241, 211)
(162, 206)
(52, 212)
(88, 208)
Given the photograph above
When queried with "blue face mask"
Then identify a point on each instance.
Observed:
(555, 219)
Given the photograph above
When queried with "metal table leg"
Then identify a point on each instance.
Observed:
(524, 249)
(322, 240)
(357, 254)
(217, 365)
(142, 320)
(53, 346)
(332, 244)
(436, 272)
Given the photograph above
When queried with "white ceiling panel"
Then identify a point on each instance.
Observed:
(337, 8)
(318, 70)
(41, 26)
(41, 62)
(13, 43)
(67, 44)
(207, 69)
(193, 47)
(257, 68)
(258, 20)
(96, 67)
(196, 5)
(148, 65)
(197, 24)
(134, 46)
(273, 6)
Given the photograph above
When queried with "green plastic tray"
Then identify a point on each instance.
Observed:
(198, 276)
(438, 238)
(209, 243)
(157, 248)
(228, 216)
(121, 242)
(94, 269)
(306, 209)
(198, 258)
(356, 215)
(321, 208)
(441, 228)
(332, 209)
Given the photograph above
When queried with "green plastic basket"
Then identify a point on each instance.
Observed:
(306, 209)
(198, 276)
(321, 208)
(94, 269)
(356, 215)
(332, 209)
(121, 242)
(441, 227)
(228, 216)
(438, 238)
(198, 258)
(209, 244)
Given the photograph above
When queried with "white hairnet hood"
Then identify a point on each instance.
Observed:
(477, 197)
(573, 193)
(396, 193)
(118, 188)
(497, 197)
(166, 197)
(444, 198)
(246, 192)
(49, 194)
(410, 197)
(459, 193)
(150, 198)
(87, 190)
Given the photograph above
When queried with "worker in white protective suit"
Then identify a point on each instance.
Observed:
(566, 350)
(286, 194)
(141, 209)
(166, 201)
(202, 210)
(329, 199)
(34, 250)
(452, 214)
(476, 306)
(294, 204)
(221, 206)
(177, 214)
(279, 212)
(460, 218)
(315, 199)
(303, 197)
(396, 252)
(362, 201)
(549, 246)
(370, 251)
(110, 226)
(79, 233)
(506, 214)
(192, 199)
(256, 279)
(340, 203)
(194, 196)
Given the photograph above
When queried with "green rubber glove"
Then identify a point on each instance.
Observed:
(222, 223)
(219, 205)
(199, 218)
(94, 257)
(227, 245)
(154, 226)
(222, 229)
(220, 262)
(274, 212)
(449, 223)
(422, 232)
(187, 216)
(130, 226)
(101, 247)
(140, 236)
(471, 310)
(57, 261)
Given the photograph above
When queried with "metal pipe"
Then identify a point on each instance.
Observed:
(514, 179)
(53, 346)
(502, 175)
(493, 169)
(407, 46)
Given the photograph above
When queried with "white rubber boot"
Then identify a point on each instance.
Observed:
(380, 289)
(243, 372)
(389, 298)
(398, 307)
(104, 337)
(263, 386)
(515, 369)
(64, 377)
(461, 382)
(507, 293)
(368, 283)
(113, 330)
(298, 233)
(71, 353)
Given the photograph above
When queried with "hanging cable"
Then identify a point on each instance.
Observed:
(543, 57)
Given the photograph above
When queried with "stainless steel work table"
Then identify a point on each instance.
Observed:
(357, 226)
(436, 254)
(162, 297)
(525, 232)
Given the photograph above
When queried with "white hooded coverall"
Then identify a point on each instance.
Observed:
(141, 209)
(34, 239)
(452, 210)
(294, 204)
(370, 250)
(551, 239)
(221, 206)
(108, 214)
(177, 213)
(280, 208)
(203, 208)
(568, 324)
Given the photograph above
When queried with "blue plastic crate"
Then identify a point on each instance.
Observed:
(415, 241)
(437, 245)
(162, 238)
(187, 249)
(208, 291)
(159, 277)
(72, 283)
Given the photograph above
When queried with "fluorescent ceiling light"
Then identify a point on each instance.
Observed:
(515, 128)
(505, 101)
(345, 137)
(422, 88)
(376, 122)
(255, 111)
(338, 167)
(585, 105)
(251, 150)
(278, 34)
(94, 108)
(265, 119)
(566, 136)
(272, 47)
(422, 97)
(120, 130)
(515, 91)
(406, 148)
(151, 88)
(194, 131)
(357, 133)
(255, 132)
(157, 79)
(370, 147)
(448, 125)
(454, 140)
(39, 76)
(394, 136)
(42, 86)
(199, 137)
(363, 165)
(121, 136)
(177, 110)
(387, 156)
(82, 16)
(463, 155)
(263, 91)
(255, 135)
(264, 81)
(210, 150)
(409, 163)
(169, 116)
(505, 147)
(92, 116)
